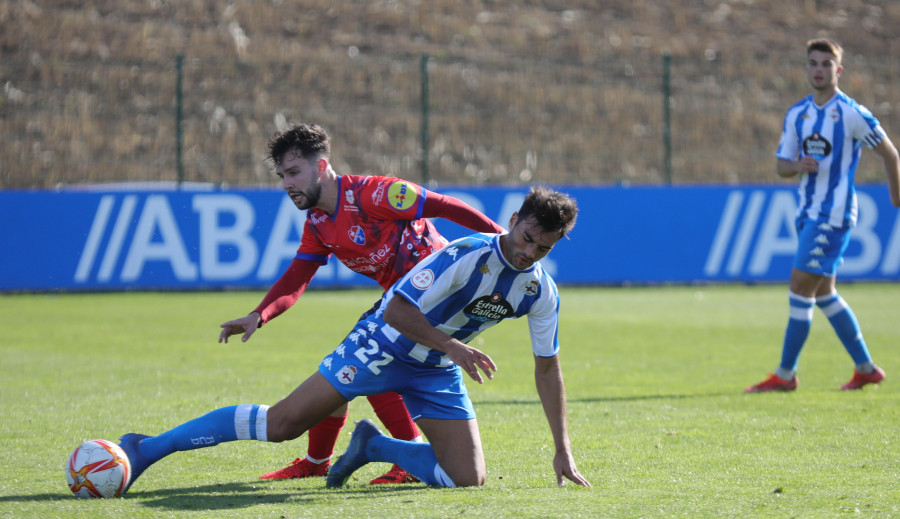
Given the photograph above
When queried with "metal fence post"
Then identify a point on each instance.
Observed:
(179, 116)
(424, 65)
(667, 118)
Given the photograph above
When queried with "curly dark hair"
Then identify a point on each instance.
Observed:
(553, 211)
(308, 141)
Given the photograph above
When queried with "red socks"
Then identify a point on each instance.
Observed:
(391, 410)
(322, 438)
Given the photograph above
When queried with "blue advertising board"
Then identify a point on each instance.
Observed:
(195, 239)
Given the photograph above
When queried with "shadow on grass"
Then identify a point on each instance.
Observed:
(230, 496)
(599, 399)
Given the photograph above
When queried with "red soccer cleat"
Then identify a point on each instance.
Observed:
(863, 379)
(774, 383)
(395, 475)
(299, 468)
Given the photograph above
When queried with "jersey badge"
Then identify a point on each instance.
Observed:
(348, 196)
(346, 374)
(402, 196)
(835, 115)
(357, 235)
(531, 288)
(484, 270)
(423, 279)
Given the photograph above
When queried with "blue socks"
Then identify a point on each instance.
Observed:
(846, 326)
(417, 458)
(239, 422)
(842, 320)
(799, 323)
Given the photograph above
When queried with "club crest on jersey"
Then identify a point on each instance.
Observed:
(346, 374)
(835, 115)
(402, 196)
(489, 308)
(423, 279)
(815, 145)
(357, 235)
(531, 288)
(348, 196)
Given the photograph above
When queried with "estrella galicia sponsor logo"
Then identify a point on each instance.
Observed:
(816, 146)
(489, 308)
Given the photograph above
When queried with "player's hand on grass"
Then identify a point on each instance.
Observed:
(564, 466)
(246, 325)
(470, 360)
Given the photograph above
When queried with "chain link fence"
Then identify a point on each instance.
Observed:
(490, 121)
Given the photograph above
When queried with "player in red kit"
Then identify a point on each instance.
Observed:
(374, 225)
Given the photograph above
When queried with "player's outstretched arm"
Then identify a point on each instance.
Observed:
(246, 325)
(552, 391)
(407, 319)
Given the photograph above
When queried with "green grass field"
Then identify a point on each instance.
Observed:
(657, 414)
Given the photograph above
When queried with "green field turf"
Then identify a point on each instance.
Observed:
(658, 418)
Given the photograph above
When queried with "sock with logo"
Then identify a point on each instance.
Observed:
(799, 323)
(845, 325)
(239, 422)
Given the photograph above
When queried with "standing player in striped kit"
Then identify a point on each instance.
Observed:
(415, 344)
(821, 142)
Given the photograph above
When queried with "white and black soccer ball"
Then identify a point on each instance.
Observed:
(97, 469)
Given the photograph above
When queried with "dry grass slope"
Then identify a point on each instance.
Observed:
(520, 92)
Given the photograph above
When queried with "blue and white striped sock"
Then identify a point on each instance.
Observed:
(238, 422)
(844, 322)
(799, 323)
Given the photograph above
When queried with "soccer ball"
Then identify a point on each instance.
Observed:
(98, 468)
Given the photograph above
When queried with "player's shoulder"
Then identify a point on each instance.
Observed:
(802, 103)
(396, 193)
(474, 241)
(799, 107)
(853, 106)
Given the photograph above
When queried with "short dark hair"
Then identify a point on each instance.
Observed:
(825, 45)
(308, 141)
(553, 211)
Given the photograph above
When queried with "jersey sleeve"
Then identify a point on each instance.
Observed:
(543, 322)
(789, 145)
(866, 127)
(287, 290)
(457, 211)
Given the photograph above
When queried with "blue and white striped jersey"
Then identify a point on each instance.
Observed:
(466, 288)
(833, 134)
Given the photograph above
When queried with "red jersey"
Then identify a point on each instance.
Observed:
(377, 228)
